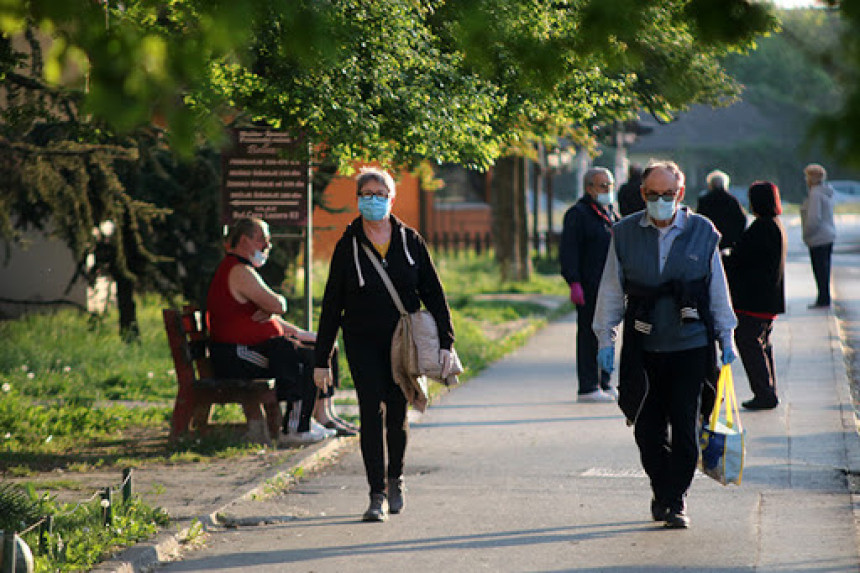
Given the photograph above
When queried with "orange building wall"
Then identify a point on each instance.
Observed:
(328, 227)
(472, 218)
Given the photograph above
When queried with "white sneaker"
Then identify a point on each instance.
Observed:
(596, 396)
(317, 427)
(312, 436)
(612, 391)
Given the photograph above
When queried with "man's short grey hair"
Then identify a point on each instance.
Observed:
(246, 227)
(366, 174)
(717, 179)
(589, 176)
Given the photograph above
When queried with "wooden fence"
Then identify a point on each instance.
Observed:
(456, 243)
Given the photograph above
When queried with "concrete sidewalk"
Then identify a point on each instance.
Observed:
(509, 473)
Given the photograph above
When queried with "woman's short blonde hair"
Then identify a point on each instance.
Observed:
(815, 173)
(366, 174)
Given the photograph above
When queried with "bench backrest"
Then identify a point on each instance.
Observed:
(188, 340)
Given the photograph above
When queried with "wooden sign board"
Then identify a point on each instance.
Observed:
(265, 174)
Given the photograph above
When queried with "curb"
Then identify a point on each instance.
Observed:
(850, 422)
(166, 547)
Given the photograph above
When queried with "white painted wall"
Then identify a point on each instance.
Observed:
(38, 270)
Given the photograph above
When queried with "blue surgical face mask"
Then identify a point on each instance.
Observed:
(374, 208)
(606, 198)
(661, 209)
(259, 258)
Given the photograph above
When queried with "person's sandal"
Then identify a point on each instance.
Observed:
(343, 429)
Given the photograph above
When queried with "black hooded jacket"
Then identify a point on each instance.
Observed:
(356, 299)
(725, 212)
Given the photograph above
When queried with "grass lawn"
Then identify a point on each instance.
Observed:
(73, 396)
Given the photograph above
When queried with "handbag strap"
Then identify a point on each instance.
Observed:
(386, 279)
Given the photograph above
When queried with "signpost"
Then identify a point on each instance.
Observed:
(266, 174)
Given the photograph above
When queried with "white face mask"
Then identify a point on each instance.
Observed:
(661, 210)
(259, 258)
(606, 198)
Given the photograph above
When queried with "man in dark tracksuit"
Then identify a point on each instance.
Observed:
(582, 253)
(664, 277)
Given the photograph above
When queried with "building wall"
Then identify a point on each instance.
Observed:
(460, 218)
(38, 271)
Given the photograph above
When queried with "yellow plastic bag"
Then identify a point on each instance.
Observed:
(722, 439)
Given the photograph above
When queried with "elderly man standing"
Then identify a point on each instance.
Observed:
(723, 209)
(819, 229)
(582, 253)
(664, 277)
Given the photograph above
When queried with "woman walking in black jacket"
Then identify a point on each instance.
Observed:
(756, 274)
(357, 300)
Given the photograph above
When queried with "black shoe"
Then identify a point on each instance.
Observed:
(819, 305)
(396, 496)
(659, 510)
(376, 510)
(341, 429)
(676, 518)
(756, 404)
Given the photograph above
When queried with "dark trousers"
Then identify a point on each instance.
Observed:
(752, 336)
(820, 257)
(587, 371)
(381, 407)
(285, 365)
(675, 386)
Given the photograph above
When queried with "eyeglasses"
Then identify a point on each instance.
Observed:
(602, 185)
(378, 194)
(668, 195)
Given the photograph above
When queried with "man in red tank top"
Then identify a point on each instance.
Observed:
(250, 338)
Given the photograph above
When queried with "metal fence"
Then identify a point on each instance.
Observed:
(48, 542)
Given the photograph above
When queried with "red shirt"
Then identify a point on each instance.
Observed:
(229, 320)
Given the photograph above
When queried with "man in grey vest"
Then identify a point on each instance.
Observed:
(664, 278)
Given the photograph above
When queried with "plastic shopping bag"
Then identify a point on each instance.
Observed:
(722, 439)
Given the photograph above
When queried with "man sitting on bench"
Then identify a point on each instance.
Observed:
(250, 339)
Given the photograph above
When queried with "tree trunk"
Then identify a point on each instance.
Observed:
(523, 258)
(503, 204)
(510, 223)
(129, 330)
(537, 190)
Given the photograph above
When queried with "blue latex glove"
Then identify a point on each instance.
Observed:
(728, 355)
(606, 358)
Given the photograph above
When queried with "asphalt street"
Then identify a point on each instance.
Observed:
(509, 473)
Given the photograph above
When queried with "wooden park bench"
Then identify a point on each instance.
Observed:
(198, 389)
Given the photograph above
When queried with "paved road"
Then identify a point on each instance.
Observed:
(508, 473)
